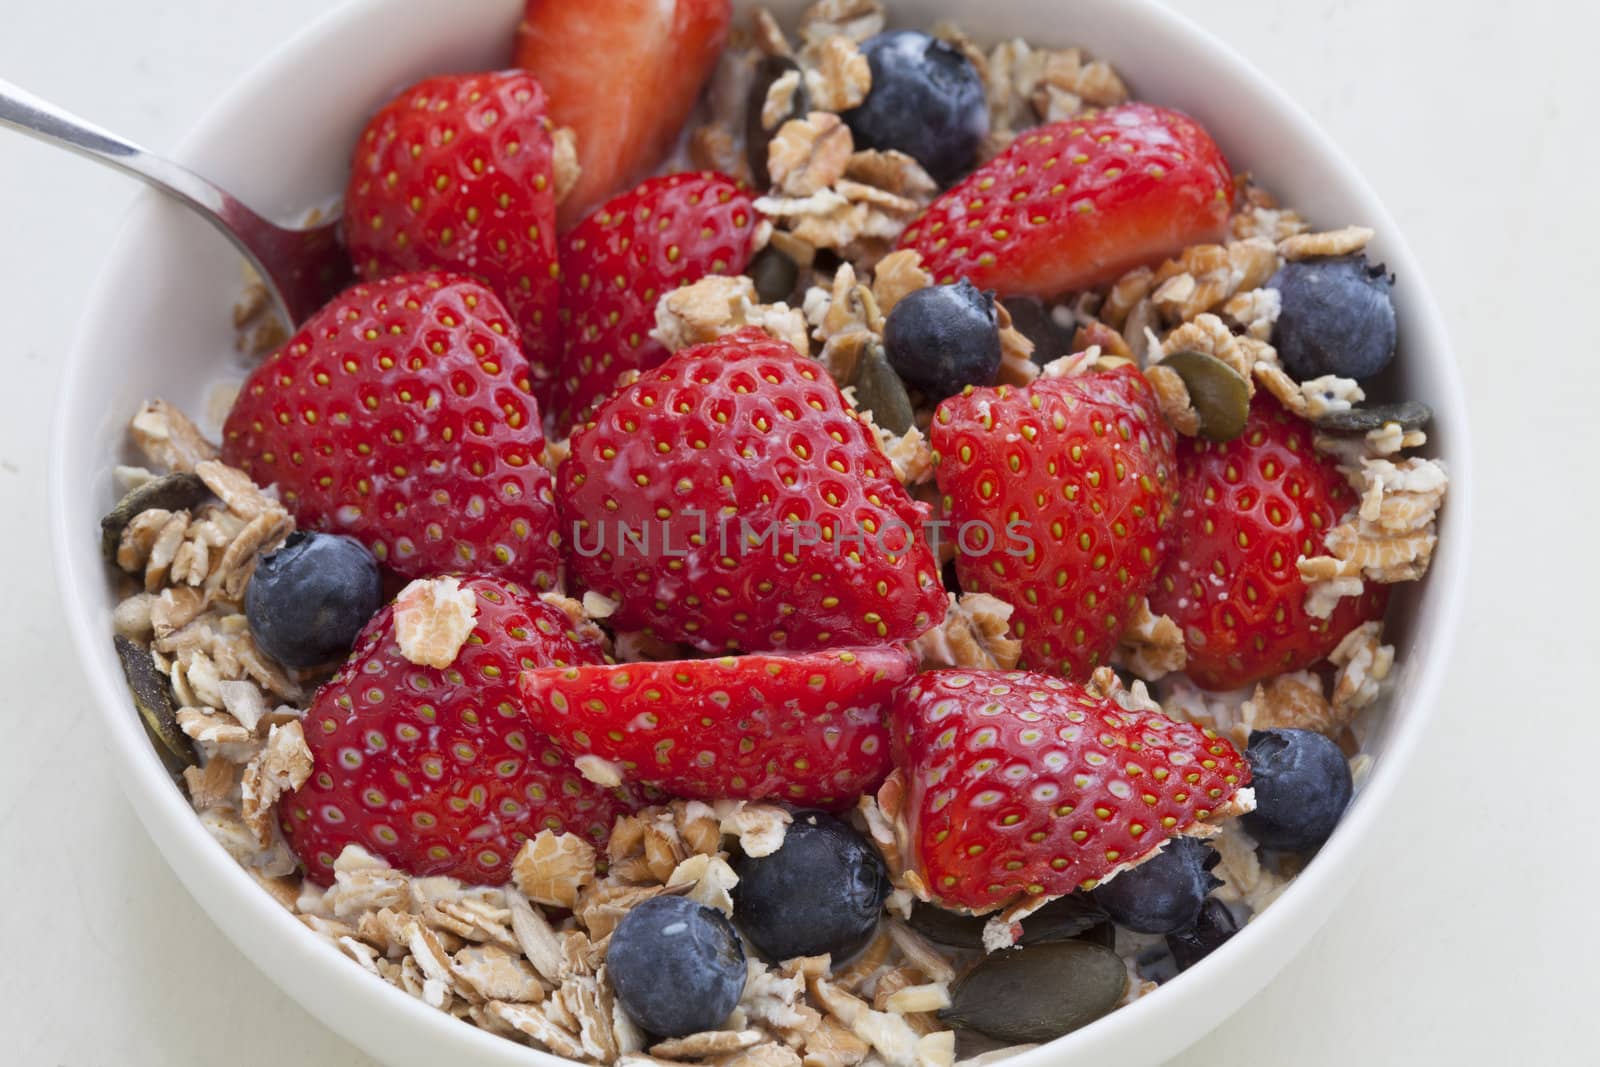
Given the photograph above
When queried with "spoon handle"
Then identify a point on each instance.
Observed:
(26, 113)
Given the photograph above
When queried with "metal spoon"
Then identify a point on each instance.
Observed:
(301, 267)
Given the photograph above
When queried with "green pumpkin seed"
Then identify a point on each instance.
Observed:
(756, 135)
(1410, 414)
(1219, 394)
(1059, 920)
(1038, 993)
(880, 391)
(154, 701)
(170, 492)
(774, 275)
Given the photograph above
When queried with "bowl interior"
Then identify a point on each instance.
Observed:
(158, 325)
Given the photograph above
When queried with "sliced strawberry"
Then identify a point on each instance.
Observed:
(401, 414)
(1057, 496)
(456, 173)
(624, 74)
(618, 262)
(804, 729)
(1075, 204)
(729, 499)
(436, 770)
(1252, 507)
(1022, 785)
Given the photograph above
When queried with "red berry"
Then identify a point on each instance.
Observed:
(401, 415)
(1057, 496)
(619, 261)
(1022, 785)
(804, 729)
(437, 771)
(455, 173)
(1251, 508)
(729, 499)
(624, 74)
(1075, 204)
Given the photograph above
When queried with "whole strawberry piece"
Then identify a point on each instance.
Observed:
(456, 173)
(1058, 495)
(619, 261)
(805, 729)
(730, 499)
(1251, 508)
(624, 74)
(401, 415)
(435, 769)
(1075, 204)
(1019, 785)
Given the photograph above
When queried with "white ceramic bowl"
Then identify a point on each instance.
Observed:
(158, 325)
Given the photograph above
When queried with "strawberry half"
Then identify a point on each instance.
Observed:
(729, 499)
(618, 262)
(1075, 204)
(624, 74)
(437, 771)
(1058, 495)
(1251, 508)
(805, 729)
(1022, 785)
(455, 173)
(401, 414)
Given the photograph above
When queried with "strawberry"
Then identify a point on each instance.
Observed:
(804, 729)
(615, 265)
(1057, 495)
(1075, 204)
(436, 770)
(1019, 785)
(1251, 508)
(730, 499)
(624, 74)
(401, 415)
(456, 173)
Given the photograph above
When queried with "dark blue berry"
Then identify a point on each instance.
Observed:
(822, 891)
(1214, 926)
(926, 100)
(677, 966)
(307, 601)
(1164, 892)
(944, 338)
(1337, 317)
(1302, 784)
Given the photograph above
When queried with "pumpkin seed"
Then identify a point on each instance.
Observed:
(170, 492)
(1410, 414)
(154, 701)
(1059, 920)
(1219, 394)
(756, 134)
(774, 275)
(880, 391)
(1038, 993)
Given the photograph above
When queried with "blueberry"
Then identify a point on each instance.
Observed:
(926, 100)
(1337, 317)
(1302, 783)
(944, 338)
(1214, 926)
(677, 966)
(307, 601)
(1164, 892)
(822, 891)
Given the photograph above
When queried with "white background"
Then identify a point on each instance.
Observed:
(1470, 939)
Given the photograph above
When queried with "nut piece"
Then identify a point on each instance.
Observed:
(433, 618)
(842, 76)
(975, 635)
(282, 766)
(808, 155)
(552, 868)
(1152, 645)
(1332, 243)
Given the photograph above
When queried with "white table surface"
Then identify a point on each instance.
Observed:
(1469, 939)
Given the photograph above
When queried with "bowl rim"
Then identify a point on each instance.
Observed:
(1292, 918)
